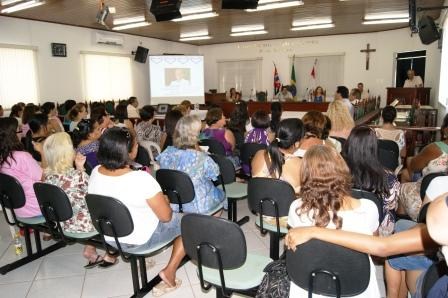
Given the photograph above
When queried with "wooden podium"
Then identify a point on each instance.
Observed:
(408, 95)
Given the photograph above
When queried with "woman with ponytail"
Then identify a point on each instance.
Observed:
(86, 140)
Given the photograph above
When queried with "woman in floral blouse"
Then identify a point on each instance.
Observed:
(60, 155)
(187, 157)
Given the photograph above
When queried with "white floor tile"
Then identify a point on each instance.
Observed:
(108, 284)
(71, 287)
(61, 266)
(22, 274)
(16, 290)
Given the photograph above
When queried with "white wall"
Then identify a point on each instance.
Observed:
(380, 75)
(443, 90)
(61, 78)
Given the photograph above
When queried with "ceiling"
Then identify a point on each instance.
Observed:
(346, 15)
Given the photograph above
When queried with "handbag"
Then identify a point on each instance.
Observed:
(276, 282)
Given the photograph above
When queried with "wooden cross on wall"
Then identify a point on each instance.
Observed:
(368, 51)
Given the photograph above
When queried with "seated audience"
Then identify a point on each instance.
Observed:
(37, 134)
(314, 123)
(121, 118)
(259, 134)
(187, 105)
(171, 119)
(60, 156)
(341, 121)
(342, 95)
(432, 159)
(154, 221)
(65, 109)
(326, 135)
(186, 156)
(325, 201)
(16, 162)
(361, 154)
(85, 140)
(238, 122)
(17, 112)
(319, 95)
(132, 107)
(146, 130)
(355, 96)
(76, 114)
(28, 112)
(100, 115)
(54, 124)
(388, 131)
(276, 116)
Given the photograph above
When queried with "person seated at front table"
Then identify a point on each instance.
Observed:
(154, 221)
(186, 156)
(232, 94)
(325, 201)
(341, 120)
(319, 94)
(284, 95)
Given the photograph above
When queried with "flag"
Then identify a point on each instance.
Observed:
(313, 71)
(277, 84)
(293, 88)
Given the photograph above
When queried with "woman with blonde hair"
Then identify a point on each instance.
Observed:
(186, 156)
(325, 201)
(60, 156)
(341, 120)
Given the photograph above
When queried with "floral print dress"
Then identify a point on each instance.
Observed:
(74, 183)
(202, 170)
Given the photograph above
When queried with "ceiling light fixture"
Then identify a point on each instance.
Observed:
(195, 38)
(9, 2)
(22, 6)
(245, 28)
(130, 26)
(385, 21)
(313, 27)
(196, 9)
(194, 33)
(121, 21)
(298, 23)
(245, 33)
(196, 16)
(275, 5)
(383, 16)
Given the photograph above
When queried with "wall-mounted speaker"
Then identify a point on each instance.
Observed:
(141, 54)
(165, 10)
(427, 30)
(239, 4)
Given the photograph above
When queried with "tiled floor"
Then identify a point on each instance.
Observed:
(61, 273)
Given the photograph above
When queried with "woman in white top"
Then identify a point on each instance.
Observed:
(389, 132)
(154, 221)
(325, 201)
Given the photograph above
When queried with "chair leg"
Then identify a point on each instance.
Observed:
(230, 204)
(29, 247)
(134, 272)
(243, 220)
(143, 275)
(37, 240)
(274, 240)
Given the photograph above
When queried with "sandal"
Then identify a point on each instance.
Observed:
(95, 263)
(162, 288)
(106, 264)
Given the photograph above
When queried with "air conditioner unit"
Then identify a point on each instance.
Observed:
(109, 39)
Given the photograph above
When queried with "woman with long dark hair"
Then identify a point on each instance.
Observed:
(54, 124)
(85, 139)
(276, 115)
(171, 119)
(37, 133)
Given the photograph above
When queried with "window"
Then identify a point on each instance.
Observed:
(18, 76)
(443, 87)
(415, 60)
(328, 73)
(107, 77)
(244, 75)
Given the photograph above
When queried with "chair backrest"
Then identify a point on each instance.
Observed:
(388, 158)
(266, 193)
(110, 216)
(214, 146)
(364, 194)
(53, 202)
(421, 218)
(150, 146)
(311, 268)
(248, 151)
(143, 156)
(177, 185)
(226, 168)
(389, 145)
(432, 275)
(12, 195)
(427, 180)
(226, 236)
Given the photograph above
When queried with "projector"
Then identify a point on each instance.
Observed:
(102, 14)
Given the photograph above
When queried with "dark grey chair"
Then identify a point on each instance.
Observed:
(248, 151)
(13, 197)
(388, 159)
(364, 194)
(432, 275)
(270, 197)
(214, 146)
(221, 255)
(327, 269)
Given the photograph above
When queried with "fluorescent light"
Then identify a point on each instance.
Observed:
(196, 9)
(196, 16)
(268, 1)
(383, 16)
(276, 5)
(195, 38)
(311, 22)
(385, 21)
(312, 27)
(194, 33)
(121, 21)
(22, 6)
(8, 2)
(129, 26)
(245, 28)
(258, 32)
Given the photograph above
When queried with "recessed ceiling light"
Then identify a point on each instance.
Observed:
(127, 20)
(244, 28)
(196, 9)
(8, 2)
(383, 16)
(275, 5)
(195, 38)
(130, 26)
(309, 22)
(196, 16)
(312, 27)
(385, 21)
(249, 33)
(194, 33)
(22, 6)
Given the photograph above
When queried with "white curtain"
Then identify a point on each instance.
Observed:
(107, 77)
(329, 73)
(18, 76)
(243, 75)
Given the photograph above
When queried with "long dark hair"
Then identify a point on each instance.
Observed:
(47, 107)
(15, 110)
(115, 146)
(82, 131)
(28, 112)
(171, 119)
(121, 112)
(360, 151)
(289, 132)
(9, 140)
(239, 117)
(276, 115)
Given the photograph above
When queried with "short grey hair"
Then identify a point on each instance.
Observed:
(186, 133)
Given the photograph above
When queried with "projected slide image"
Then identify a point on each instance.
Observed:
(177, 77)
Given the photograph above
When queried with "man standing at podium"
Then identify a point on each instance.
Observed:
(413, 81)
